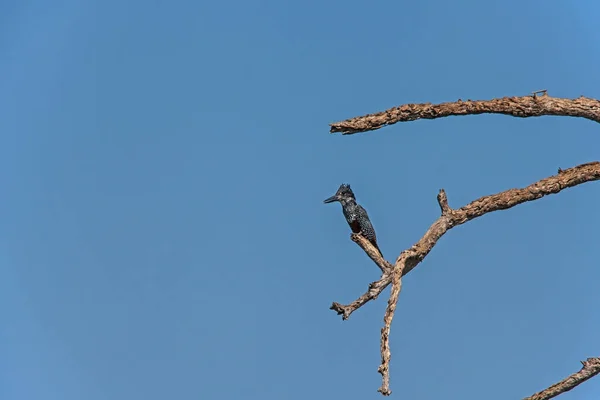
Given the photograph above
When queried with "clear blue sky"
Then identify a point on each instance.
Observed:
(163, 170)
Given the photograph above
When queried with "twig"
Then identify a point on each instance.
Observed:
(544, 92)
(375, 289)
(590, 368)
(410, 258)
(522, 107)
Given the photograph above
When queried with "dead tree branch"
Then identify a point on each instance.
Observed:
(410, 258)
(590, 368)
(522, 107)
(375, 289)
(372, 252)
(413, 256)
(386, 354)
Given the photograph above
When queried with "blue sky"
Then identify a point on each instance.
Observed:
(164, 167)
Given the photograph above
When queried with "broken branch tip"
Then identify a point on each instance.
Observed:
(443, 202)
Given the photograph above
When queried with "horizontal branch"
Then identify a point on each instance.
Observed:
(590, 368)
(522, 107)
(410, 258)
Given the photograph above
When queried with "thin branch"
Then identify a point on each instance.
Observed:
(372, 252)
(386, 354)
(590, 368)
(375, 289)
(522, 107)
(450, 218)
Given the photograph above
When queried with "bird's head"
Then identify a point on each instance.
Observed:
(344, 193)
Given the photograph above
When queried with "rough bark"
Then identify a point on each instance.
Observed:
(410, 258)
(590, 368)
(522, 107)
(452, 217)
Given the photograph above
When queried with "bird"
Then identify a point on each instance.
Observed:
(355, 214)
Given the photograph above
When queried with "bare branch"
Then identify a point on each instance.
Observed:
(411, 257)
(522, 107)
(375, 289)
(443, 202)
(386, 354)
(591, 368)
(535, 105)
(372, 252)
(565, 179)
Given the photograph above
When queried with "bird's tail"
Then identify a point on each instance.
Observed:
(374, 243)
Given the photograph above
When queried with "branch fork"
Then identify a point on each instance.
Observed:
(528, 106)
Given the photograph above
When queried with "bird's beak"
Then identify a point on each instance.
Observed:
(331, 199)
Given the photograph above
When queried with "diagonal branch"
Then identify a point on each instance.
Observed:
(375, 289)
(522, 107)
(450, 218)
(410, 258)
(372, 252)
(590, 368)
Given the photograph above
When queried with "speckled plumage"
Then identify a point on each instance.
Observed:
(355, 214)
